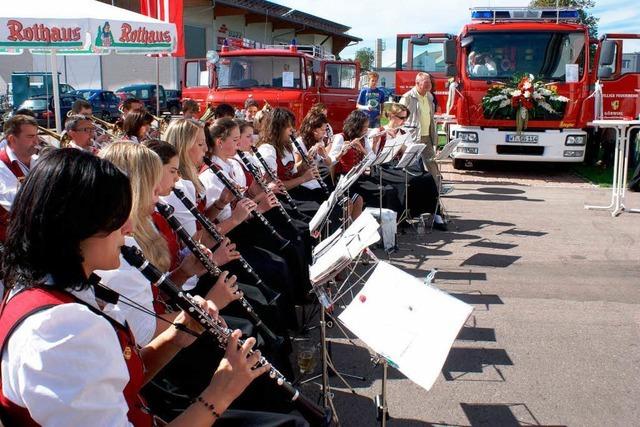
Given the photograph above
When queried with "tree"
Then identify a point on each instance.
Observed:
(365, 56)
(581, 5)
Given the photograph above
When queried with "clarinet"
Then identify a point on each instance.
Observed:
(167, 212)
(256, 175)
(274, 178)
(187, 303)
(309, 163)
(211, 229)
(238, 195)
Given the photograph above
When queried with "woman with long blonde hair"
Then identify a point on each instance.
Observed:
(144, 169)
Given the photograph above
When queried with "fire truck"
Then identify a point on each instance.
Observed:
(291, 76)
(476, 73)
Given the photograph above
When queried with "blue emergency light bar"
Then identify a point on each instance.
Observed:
(523, 14)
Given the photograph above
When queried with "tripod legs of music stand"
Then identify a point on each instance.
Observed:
(406, 214)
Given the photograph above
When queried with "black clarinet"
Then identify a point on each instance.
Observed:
(214, 327)
(309, 163)
(257, 176)
(167, 212)
(213, 232)
(274, 178)
(239, 196)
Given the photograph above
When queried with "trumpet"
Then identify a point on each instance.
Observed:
(208, 114)
(63, 139)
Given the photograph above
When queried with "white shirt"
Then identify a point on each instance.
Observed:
(8, 181)
(129, 282)
(65, 365)
(269, 154)
(181, 212)
(214, 187)
(338, 142)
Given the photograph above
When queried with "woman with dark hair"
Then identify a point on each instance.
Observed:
(136, 126)
(64, 361)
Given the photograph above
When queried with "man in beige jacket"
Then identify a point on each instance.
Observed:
(419, 101)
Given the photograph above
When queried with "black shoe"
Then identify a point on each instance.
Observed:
(440, 226)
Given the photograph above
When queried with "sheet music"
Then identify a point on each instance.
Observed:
(411, 153)
(391, 148)
(407, 322)
(343, 248)
(448, 149)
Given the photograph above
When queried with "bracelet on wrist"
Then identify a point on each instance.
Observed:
(209, 406)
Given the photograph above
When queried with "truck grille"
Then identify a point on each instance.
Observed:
(520, 150)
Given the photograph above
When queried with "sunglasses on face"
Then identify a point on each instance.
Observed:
(85, 129)
(402, 118)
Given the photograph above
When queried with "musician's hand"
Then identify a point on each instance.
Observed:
(184, 339)
(225, 252)
(224, 291)
(243, 210)
(311, 173)
(226, 197)
(267, 203)
(191, 265)
(235, 371)
(275, 187)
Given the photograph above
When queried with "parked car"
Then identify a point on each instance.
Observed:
(104, 103)
(145, 93)
(174, 103)
(42, 107)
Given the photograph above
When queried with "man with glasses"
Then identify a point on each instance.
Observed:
(81, 131)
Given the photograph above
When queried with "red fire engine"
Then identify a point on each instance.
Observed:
(535, 63)
(295, 77)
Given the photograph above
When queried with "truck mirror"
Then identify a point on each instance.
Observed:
(607, 52)
(604, 72)
(451, 70)
(466, 41)
(449, 48)
(421, 40)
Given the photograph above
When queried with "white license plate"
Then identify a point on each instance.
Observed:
(524, 139)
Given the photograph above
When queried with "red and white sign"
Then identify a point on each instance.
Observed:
(167, 11)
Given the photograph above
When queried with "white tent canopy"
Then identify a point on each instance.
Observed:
(75, 26)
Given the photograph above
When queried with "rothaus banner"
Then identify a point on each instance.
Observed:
(122, 35)
(39, 33)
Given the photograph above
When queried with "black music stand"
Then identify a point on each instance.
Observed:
(412, 153)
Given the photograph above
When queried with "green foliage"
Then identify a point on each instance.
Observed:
(365, 56)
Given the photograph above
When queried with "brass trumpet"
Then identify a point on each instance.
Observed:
(208, 114)
(63, 139)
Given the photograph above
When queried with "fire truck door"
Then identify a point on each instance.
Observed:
(339, 90)
(619, 74)
(195, 83)
(424, 53)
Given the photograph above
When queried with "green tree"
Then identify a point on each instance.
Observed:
(581, 5)
(365, 56)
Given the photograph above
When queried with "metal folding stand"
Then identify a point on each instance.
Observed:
(623, 130)
(437, 159)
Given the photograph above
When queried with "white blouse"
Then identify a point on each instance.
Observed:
(8, 181)
(65, 365)
(129, 282)
(183, 214)
(338, 142)
(269, 154)
(313, 184)
(214, 187)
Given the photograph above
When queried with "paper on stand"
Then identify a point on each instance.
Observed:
(410, 154)
(407, 322)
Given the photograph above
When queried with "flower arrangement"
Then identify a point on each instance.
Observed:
(522, 98)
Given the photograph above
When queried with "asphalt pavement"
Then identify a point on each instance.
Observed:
(554, 336)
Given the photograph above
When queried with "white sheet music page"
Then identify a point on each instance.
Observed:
(409, 323)
(410, 154)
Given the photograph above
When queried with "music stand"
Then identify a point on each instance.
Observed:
(443, 155)
(410, 155)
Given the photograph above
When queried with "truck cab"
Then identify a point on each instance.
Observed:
(295, 77)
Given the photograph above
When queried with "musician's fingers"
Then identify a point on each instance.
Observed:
(232, 344)
(231, 281)
(247, 346)
(254, 358)
(261, 370)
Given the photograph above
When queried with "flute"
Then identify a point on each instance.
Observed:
(187, 303)
(309, 163)
(256, 175)
(167, 212)
(239, 196)
(213, 232)
(274, 178)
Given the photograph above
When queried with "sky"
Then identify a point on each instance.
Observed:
(384, 18)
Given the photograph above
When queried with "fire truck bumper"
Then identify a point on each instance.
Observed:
(566, 145)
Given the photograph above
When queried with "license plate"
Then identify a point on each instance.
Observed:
(524, 139)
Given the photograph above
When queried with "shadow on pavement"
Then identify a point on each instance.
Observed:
(460, 275)
(477, 334)
(493, 197)
(500, 190)
(490, 260)
(473, 360)
(500, 415)
(514, 231)
(484, 243)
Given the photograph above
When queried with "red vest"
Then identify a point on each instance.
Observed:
(4, 214)
(285, 172)
(30, 301)
(351, 158)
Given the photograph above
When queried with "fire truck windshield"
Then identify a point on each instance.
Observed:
(260, 71)
(546, 55)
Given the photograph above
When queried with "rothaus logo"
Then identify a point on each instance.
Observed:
(142, 35)
(41, 33)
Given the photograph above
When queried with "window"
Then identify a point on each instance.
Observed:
(196, 74)
(428, 58)
(260, 71)
(543, 54)
(143, 94)
(340, 76)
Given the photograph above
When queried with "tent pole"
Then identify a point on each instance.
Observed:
(56, 89)
(158, 86)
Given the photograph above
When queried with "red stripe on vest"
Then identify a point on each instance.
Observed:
(30, 301)
(351, 158)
